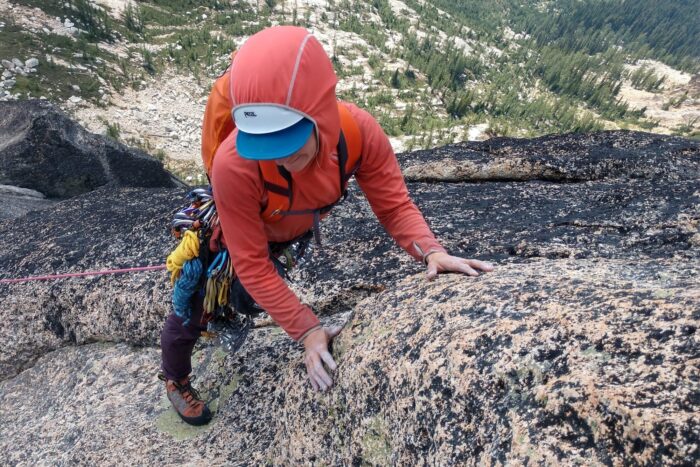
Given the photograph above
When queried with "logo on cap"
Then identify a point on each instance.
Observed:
(259, 119)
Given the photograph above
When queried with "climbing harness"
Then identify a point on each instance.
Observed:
(189, 264)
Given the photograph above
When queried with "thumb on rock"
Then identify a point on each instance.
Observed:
(334, 331)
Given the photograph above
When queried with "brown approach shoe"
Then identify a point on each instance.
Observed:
(186, 401)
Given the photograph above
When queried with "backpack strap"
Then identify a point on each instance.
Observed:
(278, 181)
(217, 123)
(349, 146)
(318, 212)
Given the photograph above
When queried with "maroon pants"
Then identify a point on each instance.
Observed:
(177, 341)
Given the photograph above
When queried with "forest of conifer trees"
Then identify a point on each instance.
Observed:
(577, 50)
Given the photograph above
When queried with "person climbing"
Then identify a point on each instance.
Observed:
(277, 167)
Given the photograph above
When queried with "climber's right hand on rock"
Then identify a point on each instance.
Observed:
(316, 345)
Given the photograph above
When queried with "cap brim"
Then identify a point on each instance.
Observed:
(277, 145)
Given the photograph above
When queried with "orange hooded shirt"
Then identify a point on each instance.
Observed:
(287, 66)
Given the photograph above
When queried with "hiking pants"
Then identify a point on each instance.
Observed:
(177, 341)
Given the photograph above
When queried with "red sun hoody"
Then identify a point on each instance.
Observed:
(287, 66)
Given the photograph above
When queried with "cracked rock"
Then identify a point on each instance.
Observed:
(43, 150)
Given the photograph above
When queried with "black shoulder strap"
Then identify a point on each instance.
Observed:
(342, 161)
(280, 190)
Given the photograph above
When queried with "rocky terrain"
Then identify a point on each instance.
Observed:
(660, 106)
(580, 348)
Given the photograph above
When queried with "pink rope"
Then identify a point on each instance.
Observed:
(81, 274)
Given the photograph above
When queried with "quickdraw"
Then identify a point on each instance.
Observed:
(199, 215)
(199, 218)
(219, 277)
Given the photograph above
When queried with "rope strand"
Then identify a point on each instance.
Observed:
(82, 274)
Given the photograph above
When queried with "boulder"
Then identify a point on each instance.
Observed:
(580, 347)
(572, 158)
(43, 150)
(15, 201)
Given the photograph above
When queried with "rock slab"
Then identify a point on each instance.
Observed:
(43, 150)
(582, 346)
(546, 362)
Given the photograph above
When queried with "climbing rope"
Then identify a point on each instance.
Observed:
(185, 286)
(82, 274)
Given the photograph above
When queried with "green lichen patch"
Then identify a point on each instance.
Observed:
(222, 393)
(169, 422)
(600, 357)
(215, 384)
(376, 445)
(215, 394)
(664, 293)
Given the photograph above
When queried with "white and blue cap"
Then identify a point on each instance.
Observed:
(268, 131)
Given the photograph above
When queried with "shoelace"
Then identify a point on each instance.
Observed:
(190, 394)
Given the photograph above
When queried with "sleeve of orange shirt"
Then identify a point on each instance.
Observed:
(238, 192)
(380, 178)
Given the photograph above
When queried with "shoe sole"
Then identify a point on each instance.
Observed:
(198, 421)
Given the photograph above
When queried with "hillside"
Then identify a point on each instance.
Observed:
(431, 72)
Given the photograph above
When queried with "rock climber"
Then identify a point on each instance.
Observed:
(280, 91)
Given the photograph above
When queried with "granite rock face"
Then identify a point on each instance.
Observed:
(16, 201)
(104, 229)
(569, 158)
(582, 346)
(43, 150)
(548, 361)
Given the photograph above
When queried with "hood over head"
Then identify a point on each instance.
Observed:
(286, 66)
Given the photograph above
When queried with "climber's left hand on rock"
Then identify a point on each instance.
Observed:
(442, 262)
